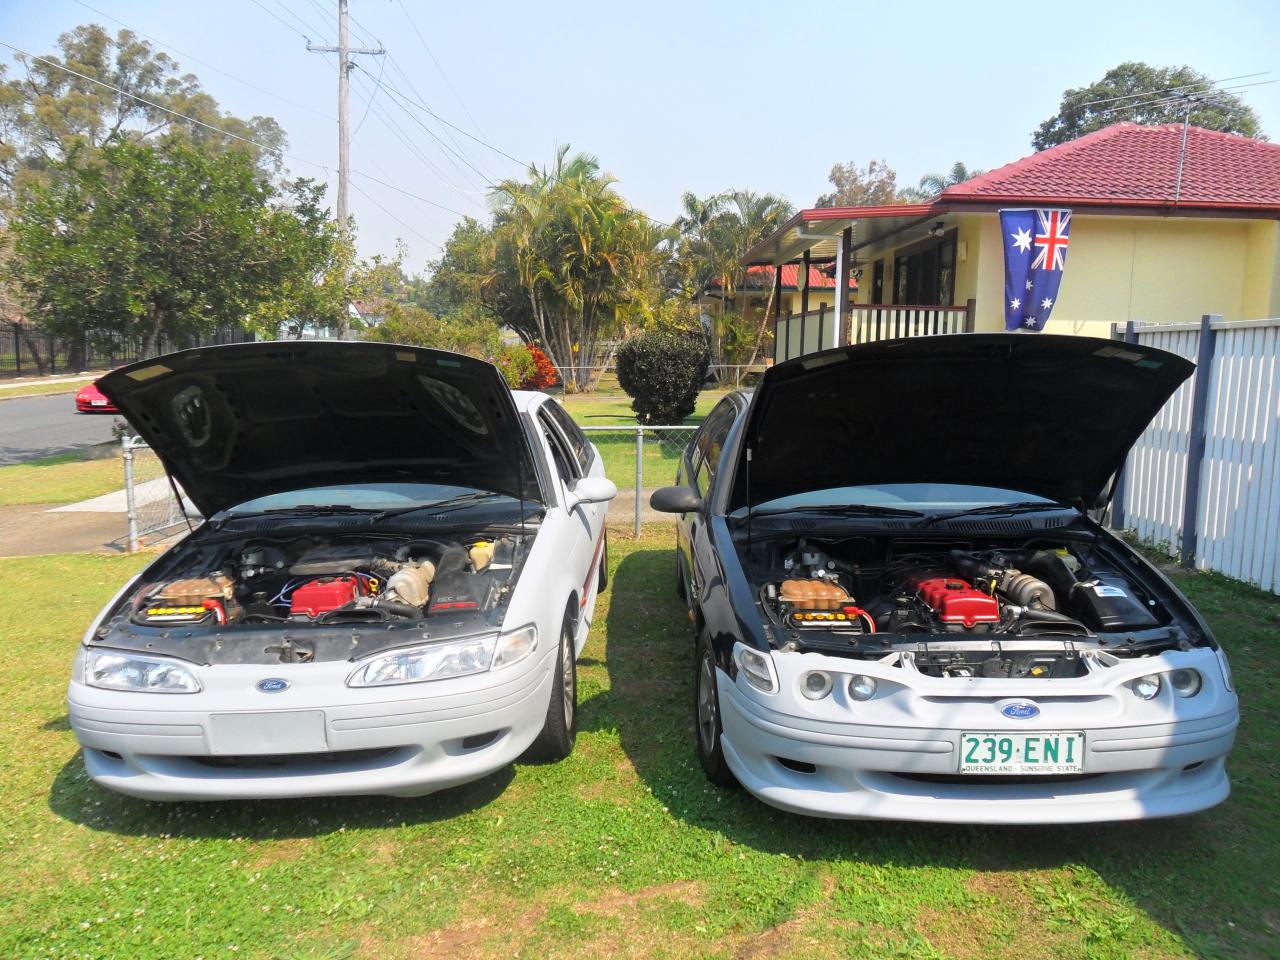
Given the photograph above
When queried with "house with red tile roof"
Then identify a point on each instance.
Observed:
(1168, 224)
(756, 294)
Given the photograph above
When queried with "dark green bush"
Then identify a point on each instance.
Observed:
(662, 372)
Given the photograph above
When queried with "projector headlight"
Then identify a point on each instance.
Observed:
(1186, 682)
(1146, 687)
(862, 687)
(118, 670)
(436, 661)
(815, 684)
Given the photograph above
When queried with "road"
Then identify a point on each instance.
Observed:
(33, 427)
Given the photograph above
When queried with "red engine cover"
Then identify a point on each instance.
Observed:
(319, 596)
(956, 601)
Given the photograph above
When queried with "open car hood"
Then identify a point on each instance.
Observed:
(237, 422)
(1052, 416)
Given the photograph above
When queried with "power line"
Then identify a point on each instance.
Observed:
(271, 13)
(226, 133)
(408, 16)
(395, 65)
(205, 63)
(289, 10)
(1167, 90)
(368, 196)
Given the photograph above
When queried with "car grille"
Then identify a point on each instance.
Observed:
(275, 762)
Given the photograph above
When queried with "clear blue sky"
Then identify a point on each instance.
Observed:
(673, 96)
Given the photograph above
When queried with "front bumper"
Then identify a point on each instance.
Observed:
(897, 756)
(405, 740)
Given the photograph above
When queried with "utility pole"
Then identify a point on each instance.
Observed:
(344, 52)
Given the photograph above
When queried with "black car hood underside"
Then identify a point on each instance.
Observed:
(1052, 416)
(237, 422)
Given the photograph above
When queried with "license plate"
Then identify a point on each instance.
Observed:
(286, 731)
(1044, 752)
(97, 403)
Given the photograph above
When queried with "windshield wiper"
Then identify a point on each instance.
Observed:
(997, 509)
(441, 506)
(845, 510)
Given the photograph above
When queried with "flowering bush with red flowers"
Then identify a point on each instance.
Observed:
(544, 371)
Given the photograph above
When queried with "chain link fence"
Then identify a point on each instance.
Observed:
(149, 496)
(639, 460)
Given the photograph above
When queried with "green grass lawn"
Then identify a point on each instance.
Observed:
(62, 479)
(42, 389)
(624, 850)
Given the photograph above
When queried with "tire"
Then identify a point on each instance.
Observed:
(560, 728)
(707, 729)
(604, 566)
(682, 591)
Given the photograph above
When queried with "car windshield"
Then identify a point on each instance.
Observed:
(367, 496)
(907, 496)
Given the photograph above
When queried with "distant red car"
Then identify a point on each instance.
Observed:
(89, 399)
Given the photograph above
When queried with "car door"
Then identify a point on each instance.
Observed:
(698, 470)
(573, 457)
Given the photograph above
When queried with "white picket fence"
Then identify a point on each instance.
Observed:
(1216, 440)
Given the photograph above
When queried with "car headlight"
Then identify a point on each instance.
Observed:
(862, 687)
(436, 661)
(515, 646)
(115, 670)
(1186, 682)
(815, 684)
(757, 667)
(1146, 687)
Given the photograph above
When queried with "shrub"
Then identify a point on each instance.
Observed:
(462, 333)
(544, 371)
(662, 372)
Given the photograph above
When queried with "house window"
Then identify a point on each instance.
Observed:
(926, 273)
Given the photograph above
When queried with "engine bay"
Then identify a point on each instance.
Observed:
(964, 608)
(316, 580)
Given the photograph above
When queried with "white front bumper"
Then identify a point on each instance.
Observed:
(897, 756)
(405, 740)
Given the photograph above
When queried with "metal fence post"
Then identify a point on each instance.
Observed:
(1117, 495)
(1195, 448)
(131, 506)
(639, 474)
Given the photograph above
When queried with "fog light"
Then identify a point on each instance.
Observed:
(861, 687)
(1146, 688)
(816, 684)
(1186, 682)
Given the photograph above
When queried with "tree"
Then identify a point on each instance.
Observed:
(48, 114)
(874, 185)
(1141, 93)
(164, 243)
(578, 252)
(932, 184)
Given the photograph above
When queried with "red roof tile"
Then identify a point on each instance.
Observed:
(1130, 164)
(760, 277)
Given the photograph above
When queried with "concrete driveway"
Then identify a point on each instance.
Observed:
(32, 427)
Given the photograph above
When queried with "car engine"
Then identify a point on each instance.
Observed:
(329, 580)
(927, 592)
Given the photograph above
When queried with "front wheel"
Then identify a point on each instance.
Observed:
(706, 715)
(560, 729)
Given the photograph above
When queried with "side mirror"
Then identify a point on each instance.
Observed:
(593, 490)
(675, 500)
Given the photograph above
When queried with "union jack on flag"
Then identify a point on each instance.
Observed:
(1035, 256)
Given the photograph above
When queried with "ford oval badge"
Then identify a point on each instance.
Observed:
(277, 684)
(1022, 710)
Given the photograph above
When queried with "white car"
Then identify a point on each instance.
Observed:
(397, 572)
(904, 609)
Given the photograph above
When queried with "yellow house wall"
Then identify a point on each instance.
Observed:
(1148, 269)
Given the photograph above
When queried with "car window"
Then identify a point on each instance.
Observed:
(710, 444)
(578, 443)
(566, 463)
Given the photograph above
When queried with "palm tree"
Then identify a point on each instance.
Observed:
(932, 184)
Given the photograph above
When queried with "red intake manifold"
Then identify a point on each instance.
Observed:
(956, 601)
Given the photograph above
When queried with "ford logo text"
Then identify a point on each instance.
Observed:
(1022, 710)
(277, 684)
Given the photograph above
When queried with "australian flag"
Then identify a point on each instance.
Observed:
(1035, 254)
